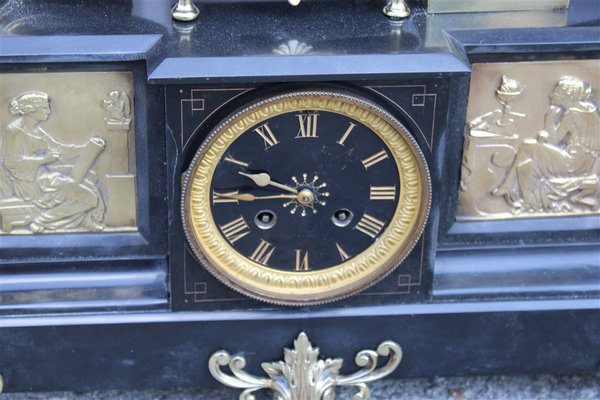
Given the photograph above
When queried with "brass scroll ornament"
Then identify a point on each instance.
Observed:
(302, 375)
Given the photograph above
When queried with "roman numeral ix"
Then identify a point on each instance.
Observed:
(222, 197)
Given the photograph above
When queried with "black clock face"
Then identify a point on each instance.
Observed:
(305, 197)
(304, 190)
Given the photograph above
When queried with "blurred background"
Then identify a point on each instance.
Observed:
(536, 387)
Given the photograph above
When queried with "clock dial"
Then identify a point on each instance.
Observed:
(305, 197)
(321, 199)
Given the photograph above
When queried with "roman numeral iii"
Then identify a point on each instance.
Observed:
(383, 193)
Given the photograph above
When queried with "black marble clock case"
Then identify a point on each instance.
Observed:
(194, 110)
(158, 316)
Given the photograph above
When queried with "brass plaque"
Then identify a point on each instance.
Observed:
(67, 152)
(532, 141)
(459, 6)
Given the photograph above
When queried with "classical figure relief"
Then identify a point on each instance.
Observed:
(67, 153)
(510, 172)
(47, 185)
(555, 172)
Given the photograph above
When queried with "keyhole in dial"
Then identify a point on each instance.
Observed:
(265, 219)
(342, 217)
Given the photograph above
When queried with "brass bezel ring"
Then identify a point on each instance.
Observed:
(307, 287)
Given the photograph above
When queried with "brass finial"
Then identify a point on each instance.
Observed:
(185, 10)
(396, 9)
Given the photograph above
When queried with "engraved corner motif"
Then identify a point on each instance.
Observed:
(67, 153)
(302, 375)
(535, 152)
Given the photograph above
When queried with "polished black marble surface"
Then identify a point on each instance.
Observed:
(230, 29)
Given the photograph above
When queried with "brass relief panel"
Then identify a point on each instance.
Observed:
(67, 152)
(532, 141)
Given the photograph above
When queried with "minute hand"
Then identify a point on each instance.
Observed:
(264, 179)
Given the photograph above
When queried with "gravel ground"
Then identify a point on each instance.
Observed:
(540, 387)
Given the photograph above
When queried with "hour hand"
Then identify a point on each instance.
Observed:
(251, 197)
(263, 179)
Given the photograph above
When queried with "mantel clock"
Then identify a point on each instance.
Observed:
(189, 190)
